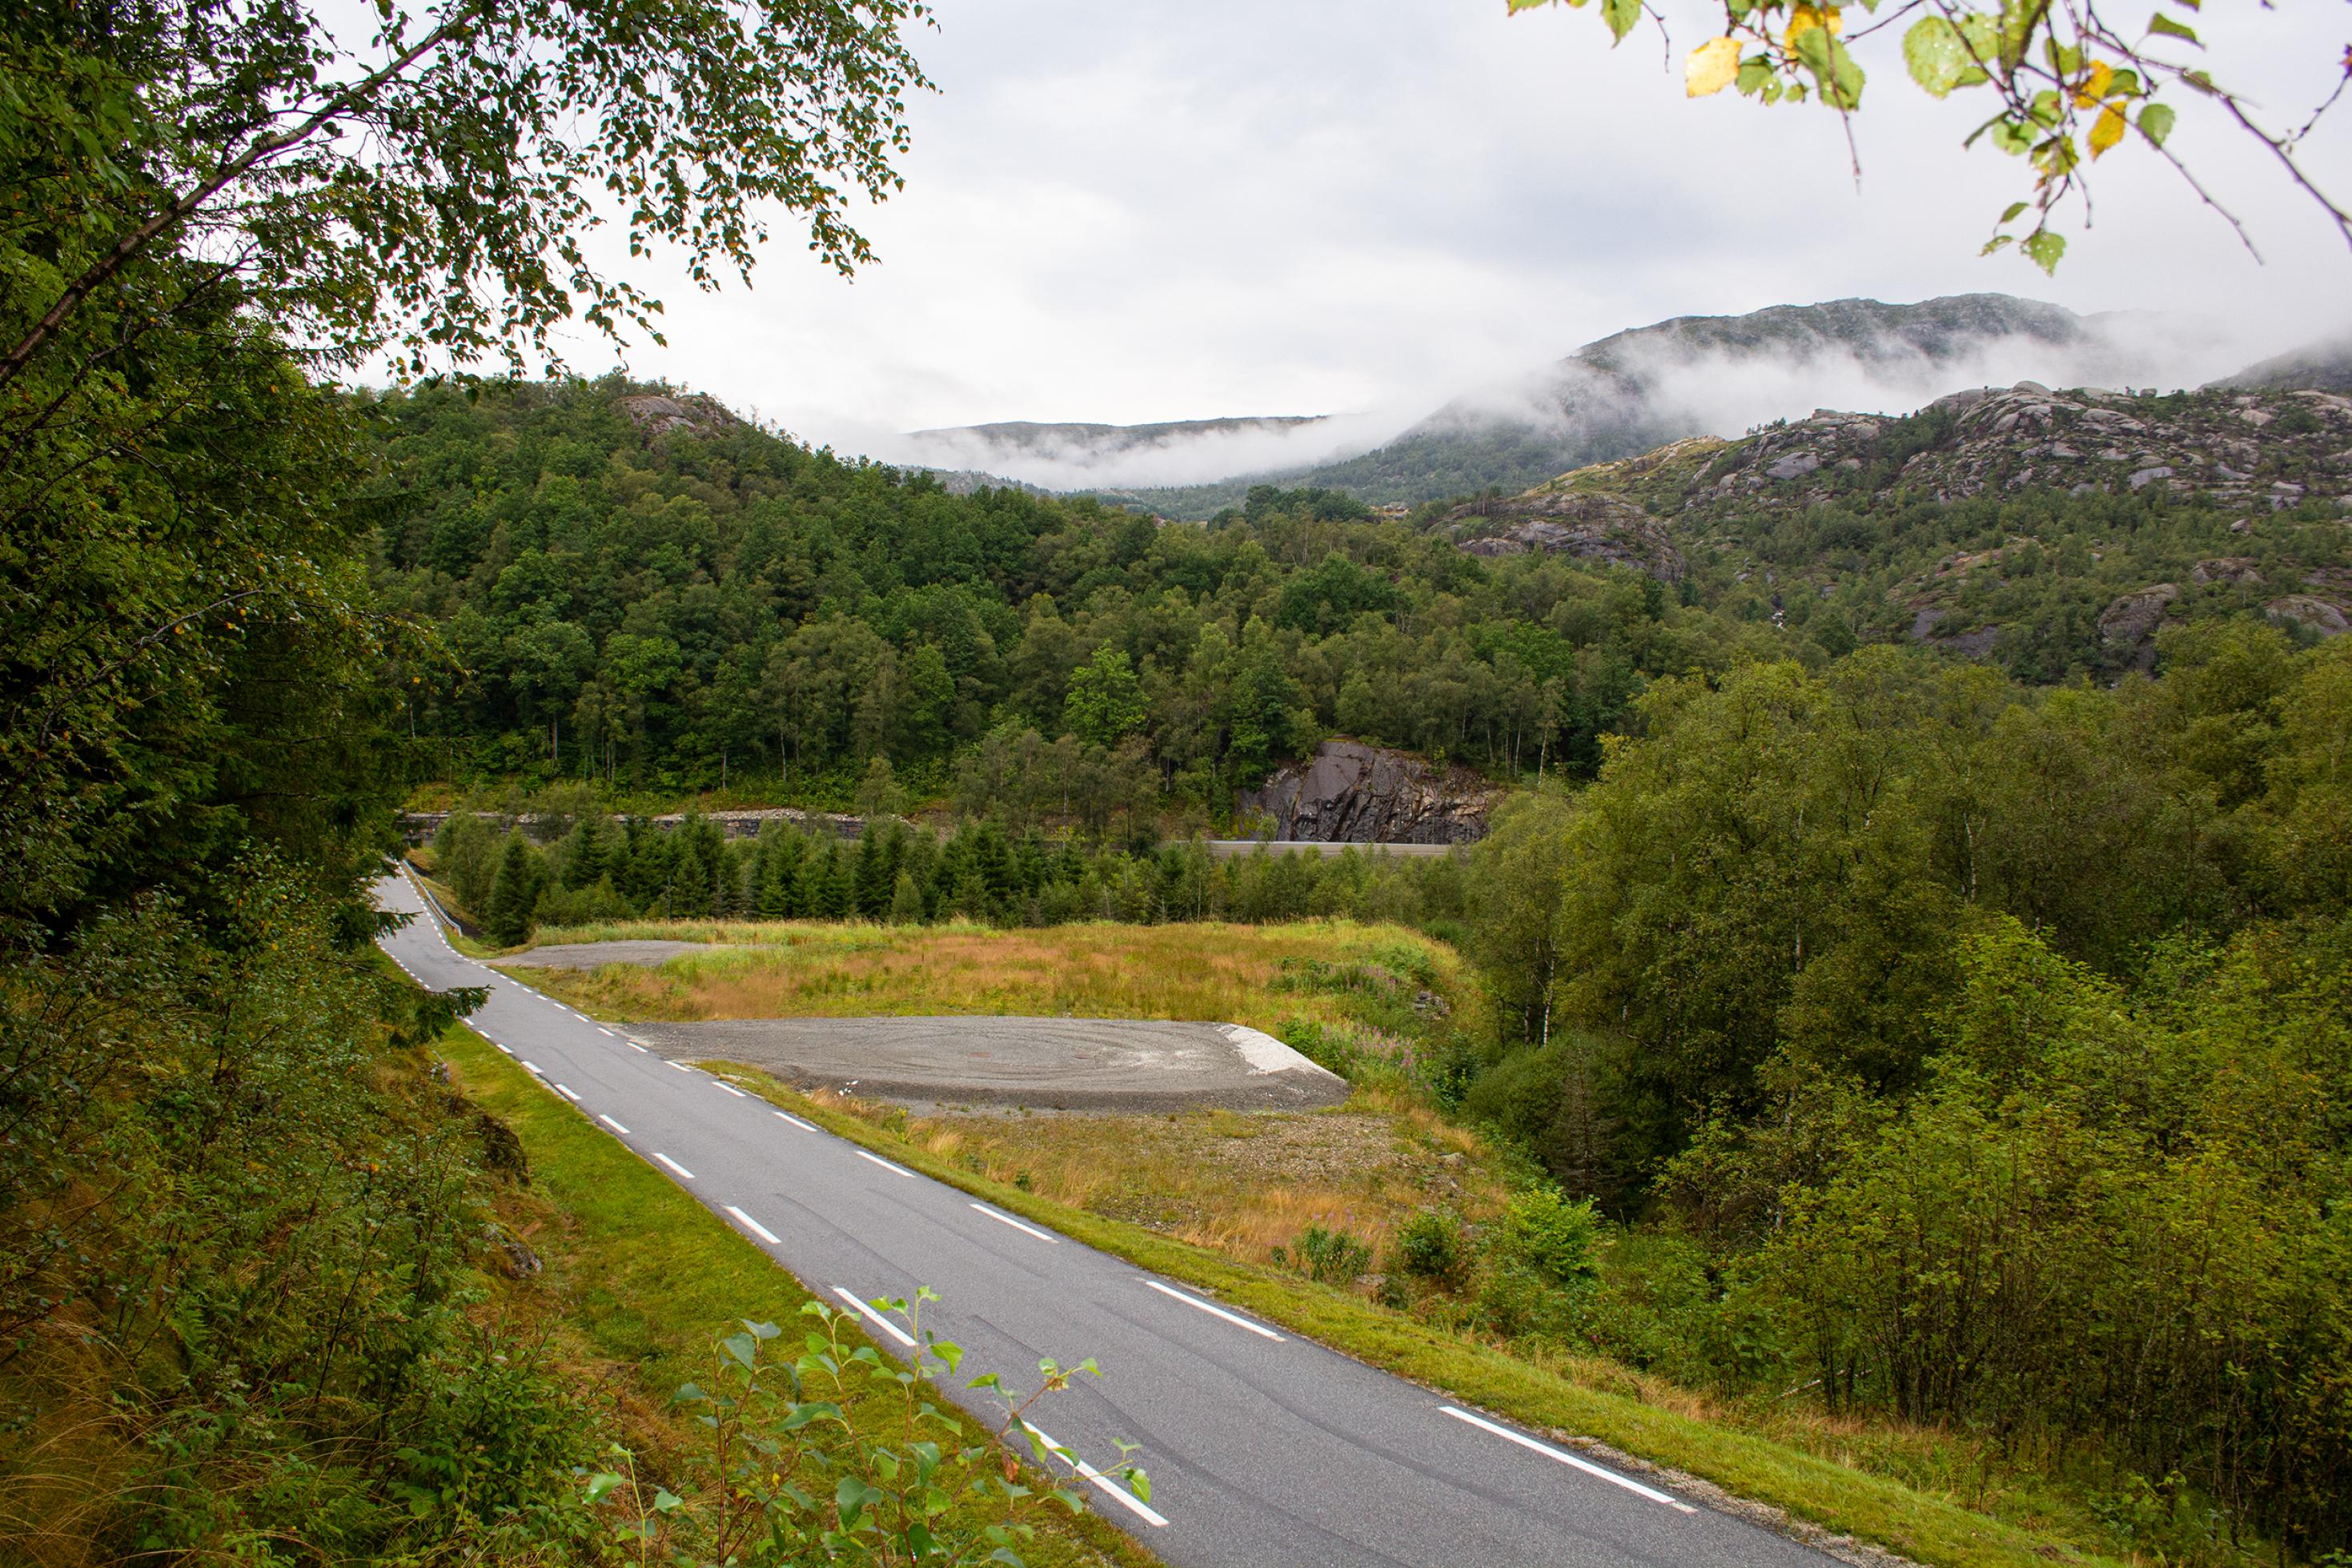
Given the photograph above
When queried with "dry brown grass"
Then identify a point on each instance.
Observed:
(1243, 1183)
(1201, 973)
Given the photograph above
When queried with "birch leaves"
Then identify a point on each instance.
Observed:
(2067, 85)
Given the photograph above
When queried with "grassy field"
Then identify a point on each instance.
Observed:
(1263, 975)
(637, 1278)
(1244, 1184)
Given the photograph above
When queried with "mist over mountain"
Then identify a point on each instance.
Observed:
(2324, 366)
(1622, 394)
(1076, 456)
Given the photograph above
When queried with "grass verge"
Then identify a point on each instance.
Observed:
(638, 1276)
(1927, 1529)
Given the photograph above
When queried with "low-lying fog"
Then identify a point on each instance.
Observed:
(1715, 393)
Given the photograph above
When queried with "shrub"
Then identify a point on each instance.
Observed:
(1553, 1234)
(1432, 1247)
(1326, 1257)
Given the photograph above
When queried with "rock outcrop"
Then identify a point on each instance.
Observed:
(1580, 523)
(1354, 793)
(2132, 617)
(696, 414)
(2312, 612)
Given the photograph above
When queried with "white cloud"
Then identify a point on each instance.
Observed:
(1123, 214)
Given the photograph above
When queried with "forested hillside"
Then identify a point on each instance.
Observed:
(649, 593)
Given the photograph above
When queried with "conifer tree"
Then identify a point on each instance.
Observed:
(514, 896)
(906, 902)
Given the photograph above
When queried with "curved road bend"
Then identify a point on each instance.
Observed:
(1265, 1450)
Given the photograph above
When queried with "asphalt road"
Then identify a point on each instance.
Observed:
(1265, 1450)
(1141, 1066)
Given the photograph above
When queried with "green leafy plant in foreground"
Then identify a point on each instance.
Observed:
(804, 1465)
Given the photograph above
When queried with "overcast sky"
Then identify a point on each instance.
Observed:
(1147, 211)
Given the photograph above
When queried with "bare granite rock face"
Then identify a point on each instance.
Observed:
(1583, 524)
(1359, 794)
(2134, 616)
(698, 415)
(2311, 611)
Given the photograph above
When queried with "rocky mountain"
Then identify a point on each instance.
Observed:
(2324, 366)
(2059, 531)
(1697, 375)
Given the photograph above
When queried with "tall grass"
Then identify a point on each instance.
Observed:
(1206, 972)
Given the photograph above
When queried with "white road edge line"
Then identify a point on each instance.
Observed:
(1142, 1509)
(871, 1316)
(602, 1030)
(796, 1121)
(735, 1091)
(674, 1066)
(1548, 1451)
(640, 1049)
(886, 1164)
(753, 1226)
(612, 1123)
(1008, 1220)
(674, 1166)
(566, 1092)
(530, 1067)
(1217, 1311)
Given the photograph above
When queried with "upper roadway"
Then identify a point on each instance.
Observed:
(1265, 1450)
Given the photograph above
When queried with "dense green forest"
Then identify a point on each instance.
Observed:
(666, 612)
(673, 601)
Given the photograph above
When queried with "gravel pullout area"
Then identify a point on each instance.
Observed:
(1057, 1064)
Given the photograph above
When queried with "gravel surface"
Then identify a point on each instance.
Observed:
(1060, 1065)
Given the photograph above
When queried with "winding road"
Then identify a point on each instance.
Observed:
(1265, 1450)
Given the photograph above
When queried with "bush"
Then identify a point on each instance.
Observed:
(1326, 1257)
(583, 906)
(1553, 1234)
(1431, 1248)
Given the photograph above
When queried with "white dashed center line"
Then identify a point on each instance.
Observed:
(1216, 1311)
(1008, 1220)
(876, 1319)
(1548, 1451)
(674, 1166)
(753, 1226)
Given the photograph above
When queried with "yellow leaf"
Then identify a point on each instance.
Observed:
(2094, 86)
(2108, 131)
(1805, 18)
(1711, 68)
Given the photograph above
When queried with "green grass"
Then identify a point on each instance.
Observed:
(1927, 1529)
(643, 1275)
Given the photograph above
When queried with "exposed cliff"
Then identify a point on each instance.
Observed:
(1353, 793)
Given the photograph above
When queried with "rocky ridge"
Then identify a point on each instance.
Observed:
(2097, 480)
